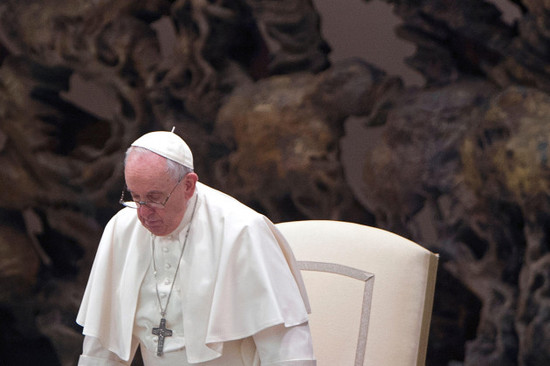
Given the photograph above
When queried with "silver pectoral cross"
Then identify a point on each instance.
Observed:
(162, 332)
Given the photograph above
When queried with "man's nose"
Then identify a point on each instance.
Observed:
(144, 210)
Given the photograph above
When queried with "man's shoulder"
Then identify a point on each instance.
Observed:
(227, 208)
(125, 219)
(125, 215)
(224, 201)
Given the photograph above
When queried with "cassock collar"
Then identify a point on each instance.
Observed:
(179, 232)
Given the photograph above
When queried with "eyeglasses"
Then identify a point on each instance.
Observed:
(154, 204)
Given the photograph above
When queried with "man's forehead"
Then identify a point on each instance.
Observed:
(138, 155)
(147, 180)
(145, 162)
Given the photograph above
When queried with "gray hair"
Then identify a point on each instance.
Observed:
(176, 170)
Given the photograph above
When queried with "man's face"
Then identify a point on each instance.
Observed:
(147, 180)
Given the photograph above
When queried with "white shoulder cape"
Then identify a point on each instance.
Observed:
(238, 273)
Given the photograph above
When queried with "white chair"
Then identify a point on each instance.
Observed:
(399, 304)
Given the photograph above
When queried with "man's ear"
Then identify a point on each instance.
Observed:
(189, 184)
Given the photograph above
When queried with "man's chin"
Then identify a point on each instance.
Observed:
(155, 228)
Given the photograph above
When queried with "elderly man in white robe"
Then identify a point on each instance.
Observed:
(190, 275)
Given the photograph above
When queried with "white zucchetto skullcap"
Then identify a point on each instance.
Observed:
(167, 144)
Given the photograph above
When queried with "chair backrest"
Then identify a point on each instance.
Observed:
(400, 304)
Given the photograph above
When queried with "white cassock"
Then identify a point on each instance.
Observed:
(238, 296)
